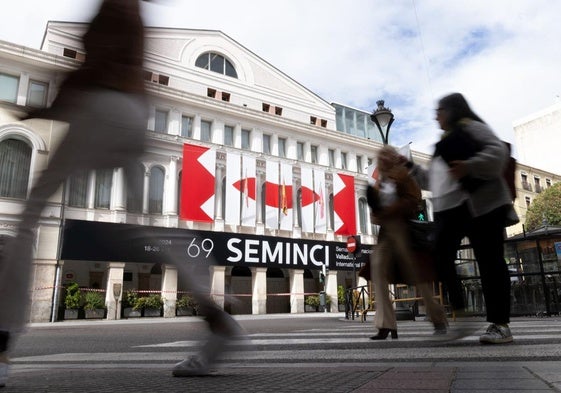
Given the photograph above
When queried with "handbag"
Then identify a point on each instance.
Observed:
(422, 234)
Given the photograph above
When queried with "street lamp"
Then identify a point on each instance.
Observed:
(383, 118)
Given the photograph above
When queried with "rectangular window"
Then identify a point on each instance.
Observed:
(9, 88)
(282, 147)
(548, 183)
(313, 120)
(77, 189)
(300, 151)
(246, 142)
(226, 97)
(343, 160)
(211, 93)
(103, 182)
(161, 121)
(266, 144)
(331, 154)
(187, 126)
(278, 110)
(37, 94)
(228, 135)
(206, 131)
(359, 167)
(324, 123)
(314, 151)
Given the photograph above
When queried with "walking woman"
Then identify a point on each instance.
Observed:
(470, 198)
(394, 200)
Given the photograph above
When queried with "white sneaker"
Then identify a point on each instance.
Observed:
(496, 334)
(194, 366)
(200, 364)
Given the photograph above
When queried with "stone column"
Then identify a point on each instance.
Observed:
(169, 289)
(296, 291)
(146, 192)
(331, 289)
(119, 190)
(259, 290)
(170, 185)
(115, 272)
(218, 284)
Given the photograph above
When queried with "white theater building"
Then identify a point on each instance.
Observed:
(285, 176)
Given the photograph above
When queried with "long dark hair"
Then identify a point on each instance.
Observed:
(457, 107)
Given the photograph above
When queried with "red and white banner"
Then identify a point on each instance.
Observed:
(286, 205)
(344, 204)
(272, 197)
(197, 183)
(320, 205)
(233, 194)
(248, 188)
(307, 192)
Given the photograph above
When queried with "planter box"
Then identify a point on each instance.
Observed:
(128, 312)
(152, 312)
(98, 313)
(308, 308)
(71, 314)
(342, 307)
(184, 311)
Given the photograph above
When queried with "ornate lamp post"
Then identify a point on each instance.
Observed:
(383, 118)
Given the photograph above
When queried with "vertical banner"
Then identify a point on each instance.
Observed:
(320, 208)
(308, 198)
(233, 194)
(344, 204)
(272, 195)
(197, 184)
(248, 188)
(286, 205)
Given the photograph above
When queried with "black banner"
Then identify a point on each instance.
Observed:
(101, 241)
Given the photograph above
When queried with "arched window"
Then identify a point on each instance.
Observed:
(103, 184)
(156, 191)
(135, 188)
(217, 63)
(363, 216)
(15, 163)
(78, 189)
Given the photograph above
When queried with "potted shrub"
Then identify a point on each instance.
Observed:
(341, 297)
(185, 305)
(152, 305)
(72, 301)
(128, 304)
(94, 305)
(311, 303)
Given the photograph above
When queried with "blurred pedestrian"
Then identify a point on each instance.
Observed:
(105, 105)
(395, 199)
(470, 198)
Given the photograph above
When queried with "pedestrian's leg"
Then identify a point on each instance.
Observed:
(487, 239)
(451, 228)
(379, 273)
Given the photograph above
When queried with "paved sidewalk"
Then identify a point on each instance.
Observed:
(527, 377)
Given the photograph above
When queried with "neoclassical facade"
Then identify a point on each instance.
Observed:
(279, 159)
(209, 92)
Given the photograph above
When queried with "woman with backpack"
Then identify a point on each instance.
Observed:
(470, 198)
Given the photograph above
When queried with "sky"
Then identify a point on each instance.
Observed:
(503, 55)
